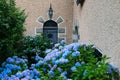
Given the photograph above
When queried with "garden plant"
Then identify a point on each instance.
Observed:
(11, 28)
(62, 62)
(35, 58)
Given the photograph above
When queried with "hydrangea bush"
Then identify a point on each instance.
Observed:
(34, 45)
(63, 62)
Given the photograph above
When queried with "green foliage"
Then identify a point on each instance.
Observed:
(62, 62)
(36, 45)
(84, 66)
(11, 28)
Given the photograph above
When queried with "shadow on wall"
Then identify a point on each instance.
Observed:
(81, 2)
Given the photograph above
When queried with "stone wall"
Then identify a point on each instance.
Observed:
(100, 24)
(37, 8)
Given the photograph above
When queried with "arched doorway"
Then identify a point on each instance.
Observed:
(50, 29)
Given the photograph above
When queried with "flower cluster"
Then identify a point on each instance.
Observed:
(63, 62)
(11, 66)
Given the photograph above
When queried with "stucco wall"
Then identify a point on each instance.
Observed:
(36, 8)
(100, 24)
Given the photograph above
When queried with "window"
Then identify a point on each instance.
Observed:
(38, 30)
(61, 30)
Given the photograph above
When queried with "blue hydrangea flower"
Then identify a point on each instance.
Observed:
(59, 69)
(15, 57)
(73, 68)
(54, 67)
(37, 79)
(10, 60)
(64, 73)
(75, 54)
(69, 47)
(57, 55)
(19, 74)
(109, 70)
(17, 62)
(65, 54)
(37, 73)
(26, 60)
(13, 77)
(26, 72)
(32, 66)
(85, 73)
(77, 64)
(56, 45)
(60, 47)
(51, 73)
(37, 65)
(53, 60)
(82, 62)
(61, 61)
(37, 58)
(76, 46)
(62, 42)
(7, 71)
(48, 51)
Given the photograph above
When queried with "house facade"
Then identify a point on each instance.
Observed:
(94, 21)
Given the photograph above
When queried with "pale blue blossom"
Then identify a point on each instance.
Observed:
(76, 46)
(64, 73)
(77, 64)
(73, 68)
(48, 51)
(75, 54)
(59, 69)
(65, 54)
(61, 61)
(62, 41)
